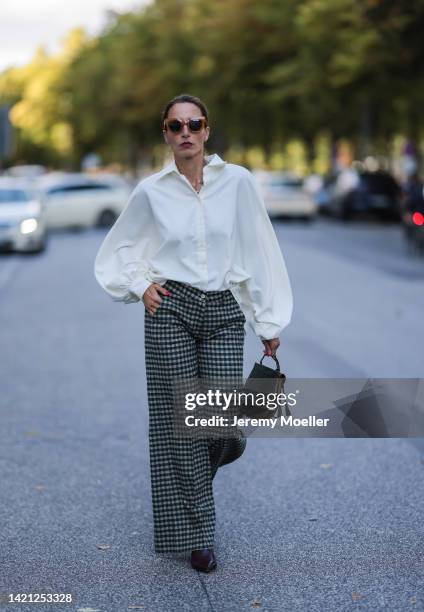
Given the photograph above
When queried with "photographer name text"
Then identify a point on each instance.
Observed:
(236, 421)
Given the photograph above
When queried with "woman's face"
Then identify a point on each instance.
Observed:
(182, 111)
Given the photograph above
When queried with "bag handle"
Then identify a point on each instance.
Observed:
(274, 358)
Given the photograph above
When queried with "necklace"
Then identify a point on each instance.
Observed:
(198, 185)
(199, 182)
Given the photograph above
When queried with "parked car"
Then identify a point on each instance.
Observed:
(413, 214)
(315, 184)
(26, 171)
(79, 200)
(351, 193)
(284, 194)
(22, 227)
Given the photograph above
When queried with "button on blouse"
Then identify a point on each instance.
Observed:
(220, 238)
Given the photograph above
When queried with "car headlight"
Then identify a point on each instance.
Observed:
(28, 226)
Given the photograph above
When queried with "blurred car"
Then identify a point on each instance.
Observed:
(22, 227)
(26, 171)
(412, 216)
(284, 194)
(413, 228)
(351, 192)
(80, 200)
(315, 185)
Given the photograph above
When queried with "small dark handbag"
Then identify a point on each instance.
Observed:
(261, 381)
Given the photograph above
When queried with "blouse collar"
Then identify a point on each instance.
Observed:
(212, 160)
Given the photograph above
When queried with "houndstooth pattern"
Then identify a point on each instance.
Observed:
(193, 333)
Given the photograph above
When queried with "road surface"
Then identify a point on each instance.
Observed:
(302, 524)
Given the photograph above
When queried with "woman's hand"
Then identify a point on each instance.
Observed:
(151, 297)
(271, 346)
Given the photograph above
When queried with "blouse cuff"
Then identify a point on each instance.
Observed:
(267, 331)
(138, 287)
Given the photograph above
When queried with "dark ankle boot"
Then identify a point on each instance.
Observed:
(203, 559)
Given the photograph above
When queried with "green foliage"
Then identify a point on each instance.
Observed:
(272, 74)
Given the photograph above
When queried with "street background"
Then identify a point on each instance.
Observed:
(323, 102)
(307, 524)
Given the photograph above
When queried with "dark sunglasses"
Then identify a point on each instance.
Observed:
(176, 125)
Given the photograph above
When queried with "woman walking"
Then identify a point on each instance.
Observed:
(195, 245)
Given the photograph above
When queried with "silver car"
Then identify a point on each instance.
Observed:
(284, 194)
(81, 201)
(22, 227)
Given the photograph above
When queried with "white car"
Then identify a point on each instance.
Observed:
(79, 200)
(22, 227)
(29, 172)
(285, 195)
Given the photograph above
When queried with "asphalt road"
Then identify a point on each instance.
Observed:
(302, 524)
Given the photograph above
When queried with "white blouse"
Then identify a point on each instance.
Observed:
(220, 238)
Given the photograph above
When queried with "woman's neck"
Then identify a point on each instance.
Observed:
(193, 169)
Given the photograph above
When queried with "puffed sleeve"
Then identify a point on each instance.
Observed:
(121, 266)
(266, 292)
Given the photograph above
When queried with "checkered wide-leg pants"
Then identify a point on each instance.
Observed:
(193, 333)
